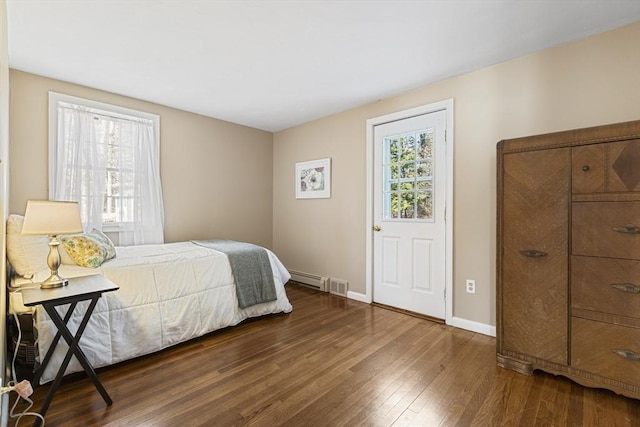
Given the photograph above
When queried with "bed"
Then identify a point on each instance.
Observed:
(168, 294)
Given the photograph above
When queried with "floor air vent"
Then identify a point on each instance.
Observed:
(338, 287)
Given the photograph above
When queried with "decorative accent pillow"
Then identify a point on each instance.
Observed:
(89, 249)
(106, 241)
(27, 254)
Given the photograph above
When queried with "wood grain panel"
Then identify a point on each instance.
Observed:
(623, 166)
(575, 137)
(592, 350)
(589, 168)
(592, 285)
(611, 167)
(593, 229)
(535, 205)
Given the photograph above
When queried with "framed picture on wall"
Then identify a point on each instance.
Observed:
(313, 179)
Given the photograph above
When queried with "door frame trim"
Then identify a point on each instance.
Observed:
(447, 106)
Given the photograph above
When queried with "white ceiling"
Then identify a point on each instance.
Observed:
(275, 64)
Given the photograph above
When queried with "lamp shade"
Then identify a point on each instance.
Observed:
(51, 218)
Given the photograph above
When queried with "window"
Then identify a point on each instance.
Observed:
(107, 158)
(408, 175)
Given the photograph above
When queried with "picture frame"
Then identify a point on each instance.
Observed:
(313, 179)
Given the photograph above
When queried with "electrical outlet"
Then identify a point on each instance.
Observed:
(471, 286)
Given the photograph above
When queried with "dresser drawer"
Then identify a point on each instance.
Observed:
(608, 229)
(606, 285)
(611, 167)
(595, 347)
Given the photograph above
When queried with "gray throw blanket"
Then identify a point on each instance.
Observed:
(251, 270)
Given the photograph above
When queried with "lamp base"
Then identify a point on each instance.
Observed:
(54, 281)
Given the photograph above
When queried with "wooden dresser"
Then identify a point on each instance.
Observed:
(568, 255)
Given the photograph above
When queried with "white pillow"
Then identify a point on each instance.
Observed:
(27, 254)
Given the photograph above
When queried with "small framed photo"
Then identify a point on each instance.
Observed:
(313, 179)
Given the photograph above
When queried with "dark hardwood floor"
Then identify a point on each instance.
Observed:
(332, 362)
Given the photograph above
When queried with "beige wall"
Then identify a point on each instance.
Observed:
(216, 175)
(586, 83)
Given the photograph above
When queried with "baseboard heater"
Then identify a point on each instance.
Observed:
(311, 280)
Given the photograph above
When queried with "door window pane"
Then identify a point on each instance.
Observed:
(424, 204)
(424, 185)
(425, 144)
(406, 208)
(408, 175)
(424, 169)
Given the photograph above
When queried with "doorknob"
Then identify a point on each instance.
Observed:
(377, 228)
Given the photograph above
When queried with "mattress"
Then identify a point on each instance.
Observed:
(168, 294)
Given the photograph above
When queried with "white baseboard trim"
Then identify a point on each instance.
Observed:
(358, 297)
(472, 326)
(457, 322)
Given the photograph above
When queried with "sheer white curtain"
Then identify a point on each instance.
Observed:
(81, 166)
(146, 219)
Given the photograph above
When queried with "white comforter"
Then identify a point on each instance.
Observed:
(168, 294)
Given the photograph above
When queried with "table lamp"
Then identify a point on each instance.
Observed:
(52, 218)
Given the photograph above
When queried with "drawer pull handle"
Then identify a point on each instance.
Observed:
(630, 229)
(627, 354)
(532, 253)
(627, 287)
(585, 168)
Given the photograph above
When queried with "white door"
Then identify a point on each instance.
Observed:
(409, 214)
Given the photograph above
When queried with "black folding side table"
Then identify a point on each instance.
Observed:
(79, 289)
